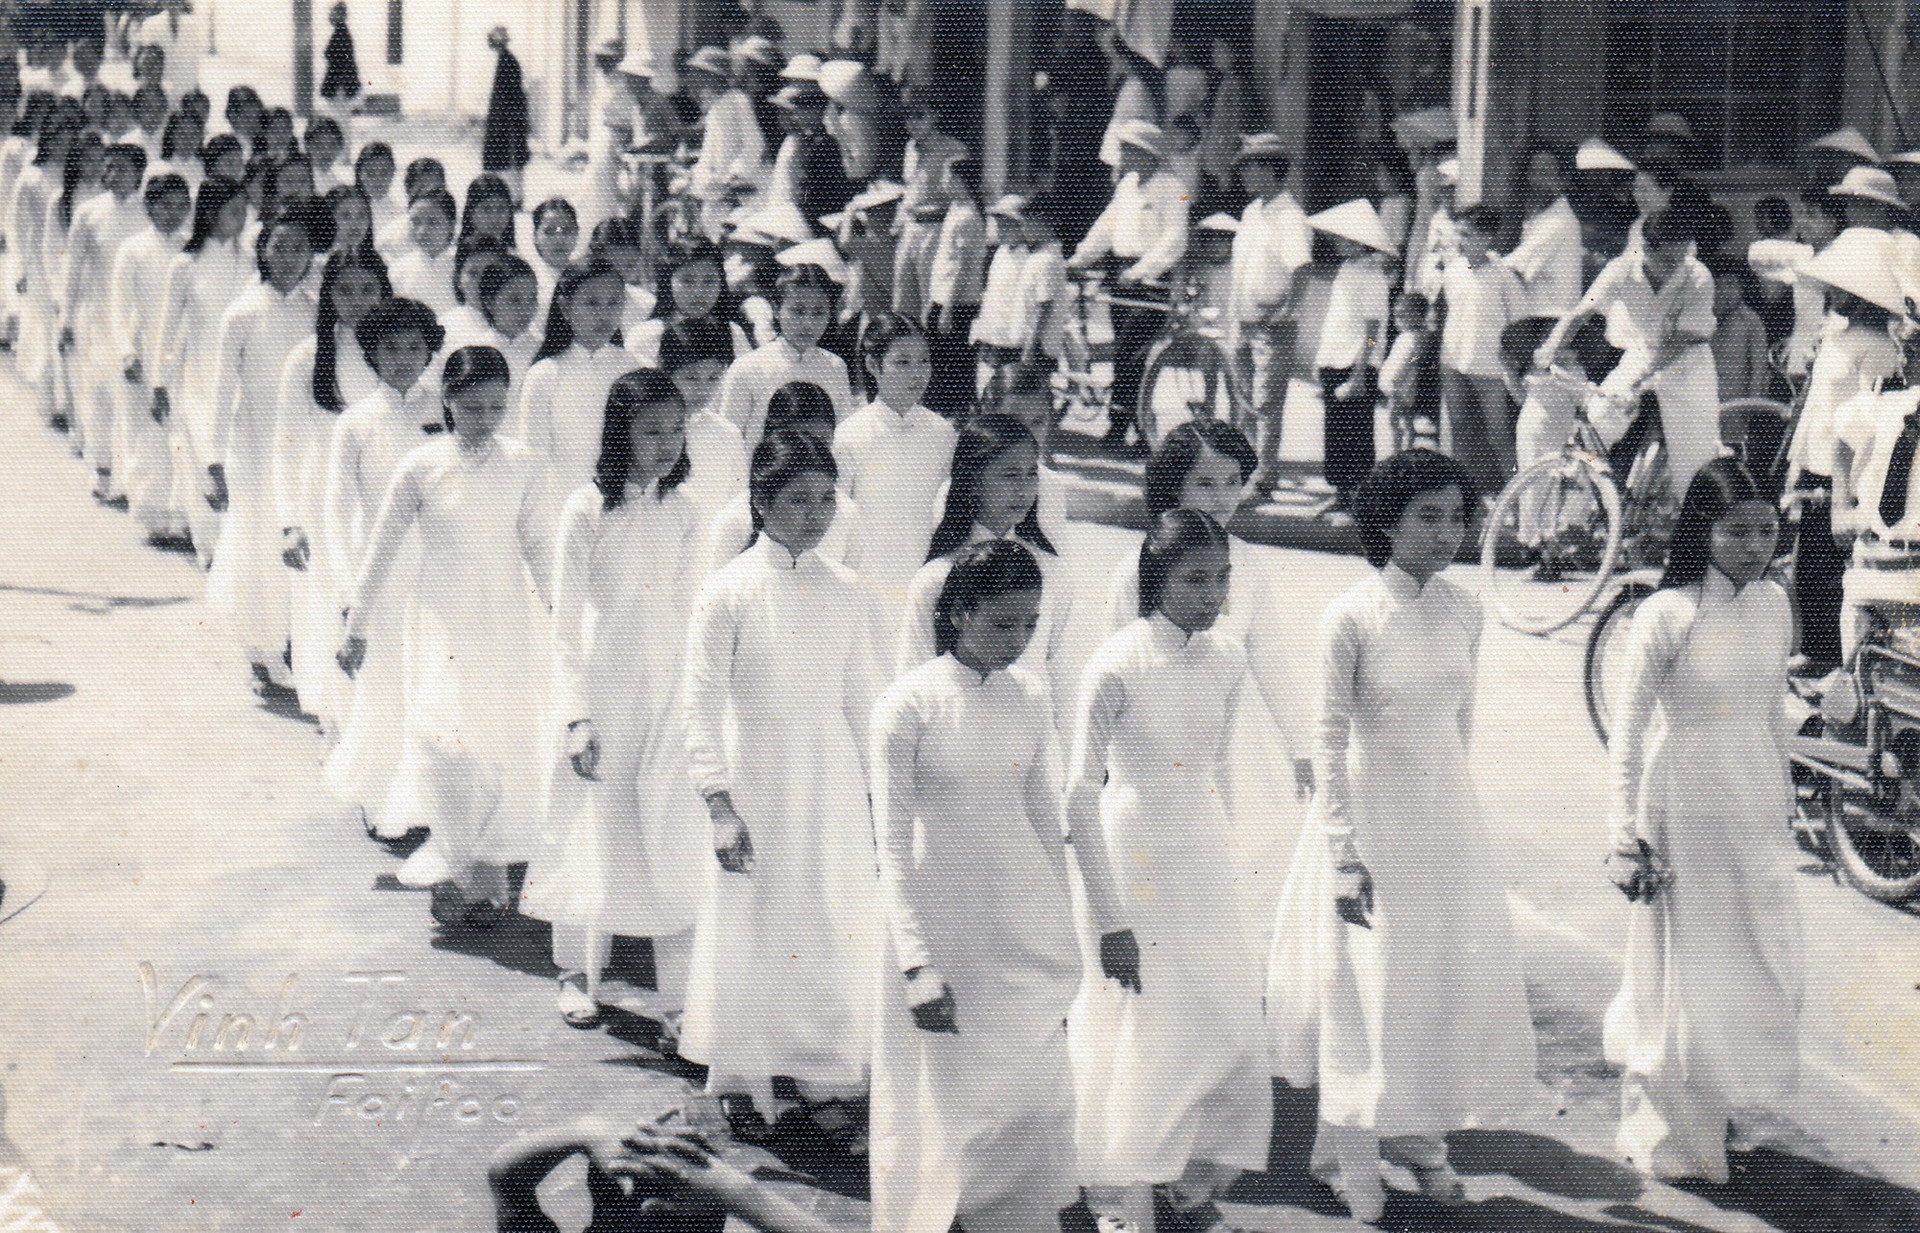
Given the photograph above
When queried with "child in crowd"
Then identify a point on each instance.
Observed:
(893, 455)
(1740, 362)
(953, 289)
(805, 299)
(1352, 342)
(1409, 360)
(1483, 297)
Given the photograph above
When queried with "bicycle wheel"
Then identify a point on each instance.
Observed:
(1551, 543)
(1876, 847)
(1606, 661)
(1185, 379)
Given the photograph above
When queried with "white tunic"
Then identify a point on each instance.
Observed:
(303, 442)
(100, 226)
(1177, 1072)
(753, 379)
(974, 884)
(1706, 1019)
(469, 770)
(519, 352)
(143, 463)
(429, 280)
(731, 532)
(781, 675)
(1418, 1025)
(248, 583)
(27, 270)
(564, 407)
(200, 288)
(370, 440)
(894, 466)
(624, 853)
(1550, 259)
(1266, 736)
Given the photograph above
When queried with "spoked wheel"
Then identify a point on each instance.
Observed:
(1551, 543)
(1606, 655)
(1185, 379)
(1877, 848)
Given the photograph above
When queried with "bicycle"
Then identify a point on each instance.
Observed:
(1559, 529)
(1759, 432)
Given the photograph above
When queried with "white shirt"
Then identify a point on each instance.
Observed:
(1549, 260)
(1001, 316)
(429, 280)
(1851, 360)
(1273, 244)
(1146, 222)
(959, 258)
(1356, 309)
(893, 465)
(732, 147)
(1640, 318)
(754, 378)
(1481, 302)
(1871, 425)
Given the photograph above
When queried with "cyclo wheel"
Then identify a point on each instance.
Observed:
(1194, 372)
(1876, 841)
(1551, 543)
(1606, 661)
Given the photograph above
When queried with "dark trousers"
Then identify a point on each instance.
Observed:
(1348, 437)
(1134, 330)
(951, 393)
(1817, 574)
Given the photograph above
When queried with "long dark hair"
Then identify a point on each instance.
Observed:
(695, 339)
(62, 122)
(70, 174)
(679, 255)
(506, 269)
(1716, 488)
(629, 396)
(876, 339)
(1175, 533)
(292, 216)
(468, 367)
(980, 572)
(782, 456)
(213, 197)
(1170, 465)
(326, 347)
(984, 439)
(559, 329)
(343, 192)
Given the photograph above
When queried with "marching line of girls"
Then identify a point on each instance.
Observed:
(587, 588)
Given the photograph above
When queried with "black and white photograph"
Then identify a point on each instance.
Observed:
(960, 616)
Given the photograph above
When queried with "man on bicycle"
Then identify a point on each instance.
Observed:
(1658, 302)
(1270, 249)
(1143, 234)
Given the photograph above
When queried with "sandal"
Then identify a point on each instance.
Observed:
(577, 1008)
(1440, 1184)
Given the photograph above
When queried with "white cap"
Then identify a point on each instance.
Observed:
(877, 194)
(838, 78)
(1225, 223)
(1870, 184)
(1850, 141)
(1355, 220)
(803, 67)
(1596, 155)
(822, 253)
(1142, 135)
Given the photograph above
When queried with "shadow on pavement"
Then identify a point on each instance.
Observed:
(21, 693)
(97, 604)
(1796, 1195)
(1547, 1165)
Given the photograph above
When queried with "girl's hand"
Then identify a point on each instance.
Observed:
(297, 552)
(1303, 779)
(583, 748)
(353, 653)
(930, 999)
(217, 478)
(1346, 389)
(162, 406)
(132, 370)
(1638, 871)
(732, 843)
(1120, 958)
(1353, 894)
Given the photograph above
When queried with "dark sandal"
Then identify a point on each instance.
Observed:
(577, 1007)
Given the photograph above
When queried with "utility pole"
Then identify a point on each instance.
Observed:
(303, 57)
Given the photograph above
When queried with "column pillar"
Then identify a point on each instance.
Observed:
(303, 57)
(1006, 102)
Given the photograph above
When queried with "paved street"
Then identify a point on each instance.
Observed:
(196, 871)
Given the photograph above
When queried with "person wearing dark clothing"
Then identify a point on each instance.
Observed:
(504, 148)
(342, 83)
